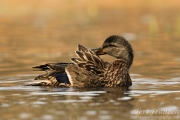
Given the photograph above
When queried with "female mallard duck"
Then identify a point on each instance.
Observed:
(88, 69)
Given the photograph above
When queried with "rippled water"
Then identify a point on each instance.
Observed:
(32, 33)
(25, 102)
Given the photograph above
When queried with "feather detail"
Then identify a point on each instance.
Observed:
(89, 60)
(51, 67)
(82, 48)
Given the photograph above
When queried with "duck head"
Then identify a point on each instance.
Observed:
(117, 47)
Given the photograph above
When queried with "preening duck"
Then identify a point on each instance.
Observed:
(88, 69)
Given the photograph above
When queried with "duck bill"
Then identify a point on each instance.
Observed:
(98, 51)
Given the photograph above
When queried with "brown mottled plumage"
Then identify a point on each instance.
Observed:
(89, 70)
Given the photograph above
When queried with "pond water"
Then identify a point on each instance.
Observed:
(32, 33)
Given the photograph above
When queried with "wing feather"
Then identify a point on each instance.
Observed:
(89, 60)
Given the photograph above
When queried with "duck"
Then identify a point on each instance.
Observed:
(87, 69)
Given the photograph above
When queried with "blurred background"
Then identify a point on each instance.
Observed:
(36, 32)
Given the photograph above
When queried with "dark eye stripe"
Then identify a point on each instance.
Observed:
(110, 45)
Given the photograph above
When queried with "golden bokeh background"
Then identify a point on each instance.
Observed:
(36, 32)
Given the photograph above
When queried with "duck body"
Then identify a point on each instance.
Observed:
(88, 69)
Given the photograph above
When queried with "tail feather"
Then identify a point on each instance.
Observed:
(52, 67)
(41, 67)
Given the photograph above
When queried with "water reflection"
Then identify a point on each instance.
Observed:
(26, 102)
(47, 103)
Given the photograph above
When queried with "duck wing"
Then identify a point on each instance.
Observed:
(87, 70)
(54, 75)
